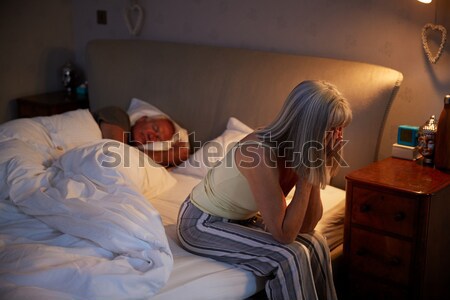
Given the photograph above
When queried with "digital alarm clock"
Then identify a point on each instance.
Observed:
(407, 135)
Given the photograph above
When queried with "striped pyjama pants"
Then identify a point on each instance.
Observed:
(300, 270)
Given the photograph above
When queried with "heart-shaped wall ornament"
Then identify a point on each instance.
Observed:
(135, 10)
(426, 30)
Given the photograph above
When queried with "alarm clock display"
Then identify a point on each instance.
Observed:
(407, 135)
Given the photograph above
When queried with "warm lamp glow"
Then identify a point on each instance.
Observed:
(425, 1)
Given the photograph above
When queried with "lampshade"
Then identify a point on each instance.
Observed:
(425, 1)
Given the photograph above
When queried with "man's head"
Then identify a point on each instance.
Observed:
(148, 129)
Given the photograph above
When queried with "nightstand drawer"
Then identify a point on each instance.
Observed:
(395, 238)
(381, 256)
(384, 211)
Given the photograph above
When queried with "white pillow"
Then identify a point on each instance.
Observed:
(139, 108)
(213, 151)
(108, 162)
(71, 129)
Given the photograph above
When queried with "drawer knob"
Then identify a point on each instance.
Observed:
(399, 216)
(365, 207)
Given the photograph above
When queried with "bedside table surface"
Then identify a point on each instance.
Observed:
(403, 175)
(50, 104)
(53, 98)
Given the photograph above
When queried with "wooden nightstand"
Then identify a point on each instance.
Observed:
(397, 239)
(49, 104)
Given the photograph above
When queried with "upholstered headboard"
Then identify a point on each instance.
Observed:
(202, 86)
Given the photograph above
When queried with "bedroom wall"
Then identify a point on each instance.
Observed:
(36, 39)
(384, 32)
(38, 36)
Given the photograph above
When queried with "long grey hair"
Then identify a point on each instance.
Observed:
(312, 109)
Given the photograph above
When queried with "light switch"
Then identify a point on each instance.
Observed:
(102, 17)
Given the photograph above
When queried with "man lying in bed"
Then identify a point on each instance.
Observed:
(115, 124)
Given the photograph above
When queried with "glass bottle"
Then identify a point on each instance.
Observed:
(427, 140)
(68, 73)
(442, 151)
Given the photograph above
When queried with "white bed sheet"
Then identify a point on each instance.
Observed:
(195, 277)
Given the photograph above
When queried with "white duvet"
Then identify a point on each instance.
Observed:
(72, 226)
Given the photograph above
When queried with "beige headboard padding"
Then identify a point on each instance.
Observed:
(202, 86)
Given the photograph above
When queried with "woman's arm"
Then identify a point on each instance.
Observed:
(287, 177)
(283, 222)
(314, 211)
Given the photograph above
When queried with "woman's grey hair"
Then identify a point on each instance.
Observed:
(299, 131)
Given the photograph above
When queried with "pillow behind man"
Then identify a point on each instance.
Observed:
(147, 128)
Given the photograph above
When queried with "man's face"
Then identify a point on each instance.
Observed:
(152, 130)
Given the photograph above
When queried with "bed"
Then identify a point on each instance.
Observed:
(72, 229)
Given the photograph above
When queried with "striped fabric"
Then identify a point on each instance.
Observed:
(300, 270)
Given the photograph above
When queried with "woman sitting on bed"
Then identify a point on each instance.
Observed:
(218, 219)
(115, 124)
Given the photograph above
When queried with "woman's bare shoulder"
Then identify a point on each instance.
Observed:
(252, 154)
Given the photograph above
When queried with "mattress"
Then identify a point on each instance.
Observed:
(197, 277)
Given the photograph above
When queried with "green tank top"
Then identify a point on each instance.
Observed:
(224, 191)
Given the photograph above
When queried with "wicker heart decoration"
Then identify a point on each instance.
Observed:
(129, 12)
(425, 31)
